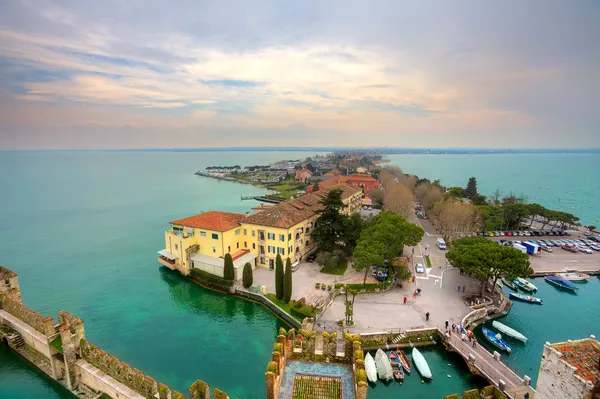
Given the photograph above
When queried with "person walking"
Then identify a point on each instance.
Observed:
(405, 299)
(470, 336)
(453, 326)
(459, 288)
(474, 343)
(415, 295)
(446, 324)
(427, 316)
(414, 278)
(464, 288)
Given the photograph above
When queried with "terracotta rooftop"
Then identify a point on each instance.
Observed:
(213, 220)
(361, 178)
(584, 355)
(334, 172)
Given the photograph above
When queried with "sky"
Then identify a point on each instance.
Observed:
(227, 73)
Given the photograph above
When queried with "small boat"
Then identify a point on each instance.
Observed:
(495, 339)
(525, 298)
(503, 328)
(398, 374)
(574, 276)
(382, 363)
(421, 364)
(561, 283)
(509, 284)
(525, 285)
(394, 361)
(403, 360)
(370, 368)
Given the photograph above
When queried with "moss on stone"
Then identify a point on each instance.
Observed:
(471, 394)
(218, 394)
(278, 347)
(272, 367)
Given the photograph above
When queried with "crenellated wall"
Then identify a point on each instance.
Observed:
(82, 366)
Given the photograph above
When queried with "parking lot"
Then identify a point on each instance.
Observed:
(559, 259)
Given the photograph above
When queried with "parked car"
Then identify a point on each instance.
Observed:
(587, 233)
(526, 233)
(419, 268)
(311, 258)
(546, 248)
(550, 233)
(508, 233)
(595, 247)
(586, 250)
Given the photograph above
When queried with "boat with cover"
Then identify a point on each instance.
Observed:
(398, 374)
(394, 361)
(509, 284)
(384, 368)
(403, 360)
(370, 368)
(495, 339)
(574, 276)
(421, 364)
(504, 329)
(561, 283)
(525, 285)
(525, 298)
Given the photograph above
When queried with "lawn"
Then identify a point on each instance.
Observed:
(338, 270)
(428, 261)
(281, 304)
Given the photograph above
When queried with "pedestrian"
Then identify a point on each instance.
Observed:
(446, 324)
(427, 316)
(415, 295)
(464, 288)
(459, 288)
(405, 299)
(470, 336)
(474, 343)
(453, 326)
(463, 337)
(414, 278)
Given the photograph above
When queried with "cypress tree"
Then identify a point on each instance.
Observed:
(228, 271)
(279, 277)
(247, 278)
(287, 281)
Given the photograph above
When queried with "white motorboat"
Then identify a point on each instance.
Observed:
(503, 328)
(370, 368)
(574, 276)
(421, 364)
(384, 368)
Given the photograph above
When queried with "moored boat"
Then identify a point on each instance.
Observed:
(573, 276)
(503, 328)
(495, 339)
(403, 360)
(398, 374)
(370, 368)
(382, 363)
(509, 284)
(561, 283)
(525, 285)
(421, 364)
(394, 361)
(525, 298)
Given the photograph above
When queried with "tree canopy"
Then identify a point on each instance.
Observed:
(247, 278)
(228, 270)
(279, 277)
(287, 281)
(332, 224)
(471, 189)
(485, 259)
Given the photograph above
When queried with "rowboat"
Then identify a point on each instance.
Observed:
(503, 328)
(525, 285)
(525, 298)
(398, 374)
(561, 283)
(394, 361)
(509, 284)
(403, 360)
(421, 364)
(370, 368)
(495, 339)
(382, 363)
(575, 277)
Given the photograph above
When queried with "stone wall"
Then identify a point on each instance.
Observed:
(274, 308)
(474, 316)
(44, 325)
(9, 284)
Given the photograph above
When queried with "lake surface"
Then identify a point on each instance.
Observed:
(82, 230)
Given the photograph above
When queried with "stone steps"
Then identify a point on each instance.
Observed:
(398, 338)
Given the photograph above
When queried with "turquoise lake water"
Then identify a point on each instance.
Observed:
(82, 230)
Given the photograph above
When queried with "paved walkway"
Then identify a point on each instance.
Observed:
(494, 369)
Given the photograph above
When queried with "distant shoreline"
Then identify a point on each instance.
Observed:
(380, 150)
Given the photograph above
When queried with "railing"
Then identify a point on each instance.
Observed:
(181, 234)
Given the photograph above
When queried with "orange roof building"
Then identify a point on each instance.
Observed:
(213, 220)
(333, 172)
(303, 174)
(367, 182)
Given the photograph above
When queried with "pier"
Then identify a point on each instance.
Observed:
(270, 200)
(481, 362)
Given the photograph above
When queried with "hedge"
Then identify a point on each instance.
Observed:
(301, 311)
(358, 287)
(211, 280)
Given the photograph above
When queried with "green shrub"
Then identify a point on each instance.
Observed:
(302, 311)
(228, 270)
(338, 285)
(358, 354)
(317, 285)
(279, 277)
(272, 367)
(277, 347)
(361, 375)
(287, 281)
(247, 278)
(358, 287)
(211, 280)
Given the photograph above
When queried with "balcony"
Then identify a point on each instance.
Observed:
(167, 259)
(181, 234)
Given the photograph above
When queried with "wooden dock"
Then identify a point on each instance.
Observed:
(481, 362)
(270, 200)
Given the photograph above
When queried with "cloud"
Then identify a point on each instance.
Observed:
(388, 68)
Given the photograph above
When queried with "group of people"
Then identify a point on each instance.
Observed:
(417, 292)
(465, 335)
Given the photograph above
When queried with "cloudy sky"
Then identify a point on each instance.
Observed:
(205, 73)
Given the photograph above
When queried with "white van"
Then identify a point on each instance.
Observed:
(441, 243)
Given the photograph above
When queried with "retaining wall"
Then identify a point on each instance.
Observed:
(274, 308)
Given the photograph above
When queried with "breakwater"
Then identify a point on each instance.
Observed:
(61, 350)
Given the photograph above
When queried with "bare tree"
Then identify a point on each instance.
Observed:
(398, 198)
(428, 194)
(454, 217)
(496, 197)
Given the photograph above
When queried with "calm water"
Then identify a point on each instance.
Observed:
(82, 230)
(567, 182)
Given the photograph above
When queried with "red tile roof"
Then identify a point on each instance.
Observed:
(361, 178)
(239, 254)
(584, 355)
(333, 172)
(213, 220)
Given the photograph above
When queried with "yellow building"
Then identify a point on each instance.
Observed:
(201, 241)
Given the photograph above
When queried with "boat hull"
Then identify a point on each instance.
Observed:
(421, 364)
(370, 368)
(525, 298)
(384, 368)
(404, 360)
(506, 330)
(574, 277)
(498, 343)
(561, 283)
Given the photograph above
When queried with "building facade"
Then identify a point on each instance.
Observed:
(201, 241)
(303, 174)
(569, 370)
